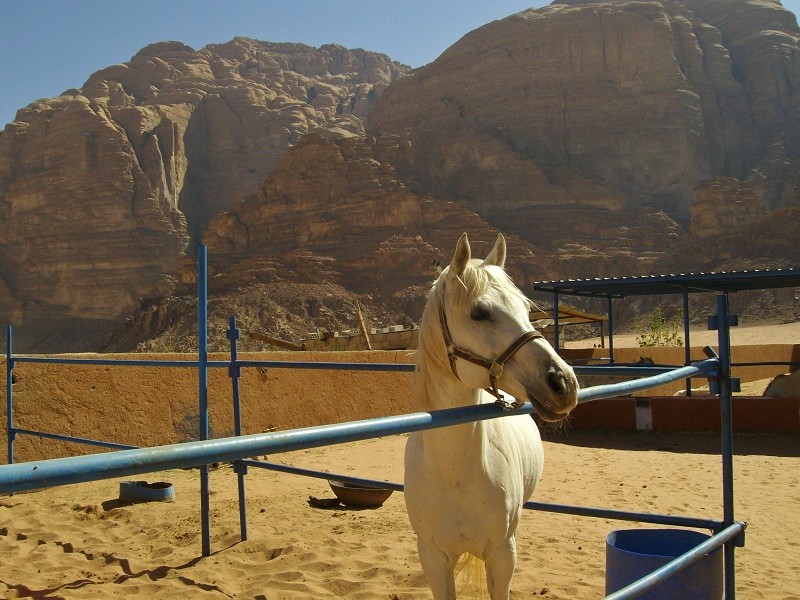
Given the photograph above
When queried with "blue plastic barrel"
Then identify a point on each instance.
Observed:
(633, 553)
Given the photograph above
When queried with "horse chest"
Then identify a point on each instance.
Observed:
(472, 490)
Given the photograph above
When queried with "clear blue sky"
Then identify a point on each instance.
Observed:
(48, 46)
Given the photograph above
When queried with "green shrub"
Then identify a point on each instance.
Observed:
(656, 331)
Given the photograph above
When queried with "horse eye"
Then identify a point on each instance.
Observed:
(480, 313)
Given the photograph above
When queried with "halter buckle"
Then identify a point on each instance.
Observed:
(496, 370)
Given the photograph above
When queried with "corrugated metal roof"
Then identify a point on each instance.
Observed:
(651, 285)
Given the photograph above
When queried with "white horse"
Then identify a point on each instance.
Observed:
(465, 485)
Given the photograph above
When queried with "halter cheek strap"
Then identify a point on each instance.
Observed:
(495, 367)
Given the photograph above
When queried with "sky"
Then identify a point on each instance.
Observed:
(48, 46)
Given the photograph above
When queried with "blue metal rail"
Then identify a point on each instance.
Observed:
(708, 367)
(583, 511)
(111, 362)
(62, 471)
(74, 439)
(226, 364)
(76, 469)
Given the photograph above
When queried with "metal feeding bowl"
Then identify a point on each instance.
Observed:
(359, 496)
(142, 491)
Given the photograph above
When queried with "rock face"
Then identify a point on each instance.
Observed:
(724, 205)
(605, 138)
(333, 205)
(332, 225)
(603, 104)
(103, 189)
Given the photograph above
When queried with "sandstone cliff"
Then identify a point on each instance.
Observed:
(611, 104)
(332, 213)
(103, 189)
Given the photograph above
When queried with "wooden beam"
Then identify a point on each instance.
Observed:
(362, 326)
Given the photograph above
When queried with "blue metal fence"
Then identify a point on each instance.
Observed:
(128, 460)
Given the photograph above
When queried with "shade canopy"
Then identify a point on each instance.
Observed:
(652, 285)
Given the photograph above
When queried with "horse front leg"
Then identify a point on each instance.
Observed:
(500, 563)
(438, 568)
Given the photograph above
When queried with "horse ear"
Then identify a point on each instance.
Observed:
(461, 257)
(498, 254)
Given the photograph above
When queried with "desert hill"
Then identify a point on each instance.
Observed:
(614, 137)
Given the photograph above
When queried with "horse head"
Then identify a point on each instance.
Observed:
(489, 338)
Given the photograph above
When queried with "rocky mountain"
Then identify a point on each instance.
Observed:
(615, 137)
(612, 105)
(103, 190)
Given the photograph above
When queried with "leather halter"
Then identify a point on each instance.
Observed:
(495, 367)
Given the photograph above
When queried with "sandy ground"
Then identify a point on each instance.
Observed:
(80, 542)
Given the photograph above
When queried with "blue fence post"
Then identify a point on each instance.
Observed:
(556, 335)
(722, 322)
(235, 372)
(202, 375)
(10, 433)
(687, 351)
(610, 301)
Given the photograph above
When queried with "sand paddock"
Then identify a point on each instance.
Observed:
(79, 542)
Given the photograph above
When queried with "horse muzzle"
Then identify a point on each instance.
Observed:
(560, 396)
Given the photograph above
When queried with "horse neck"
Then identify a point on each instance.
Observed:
(440, 389)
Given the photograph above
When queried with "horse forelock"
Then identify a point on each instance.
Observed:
(479, 278)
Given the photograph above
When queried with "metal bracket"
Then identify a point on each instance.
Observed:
(739, 540)
(713, 385)
(239, 467)
(714, 321)
(233, 334)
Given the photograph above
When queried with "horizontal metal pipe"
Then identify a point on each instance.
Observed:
(335, 366)
(624, 515)
(770, 363)
(624, 370)
(62, 471)
(678, 564)
(272, 466)
(71, 438)
(705, 367)
(584, 511)
(122, 362)
(615, 371)
(272, 364)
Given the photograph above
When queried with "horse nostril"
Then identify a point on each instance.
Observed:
(557, 381)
